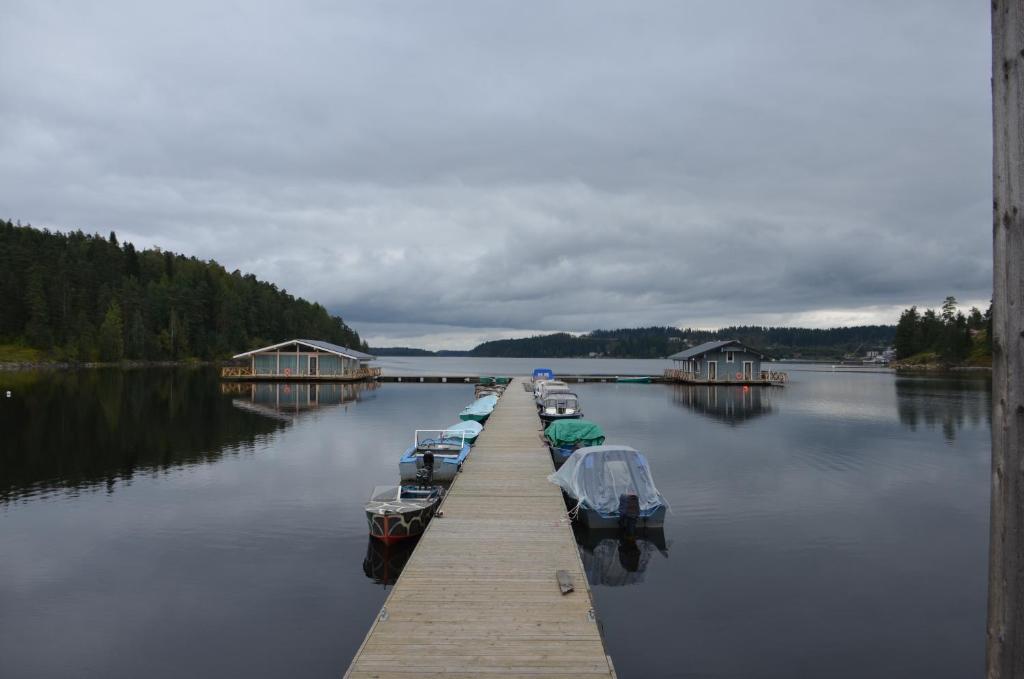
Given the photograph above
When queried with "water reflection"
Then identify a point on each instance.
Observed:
(733, 405)
(947, 403)
(77, 428)
(612, 560)
(287, 400)
(384, 563)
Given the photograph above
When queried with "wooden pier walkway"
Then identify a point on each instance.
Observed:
(479, 596)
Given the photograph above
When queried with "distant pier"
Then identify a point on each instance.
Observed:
(482, 593)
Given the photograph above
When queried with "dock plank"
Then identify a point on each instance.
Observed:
(479, 595)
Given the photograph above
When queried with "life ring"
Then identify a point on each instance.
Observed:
(739, 376)
(287, 372)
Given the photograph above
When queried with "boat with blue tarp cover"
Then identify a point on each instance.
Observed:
(542, 374)
(449, 451)
(611, 486)
(565, 436)
(480, 409)
(468, 428)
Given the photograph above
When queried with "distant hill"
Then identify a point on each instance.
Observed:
(410, 351)
(660, 341)
(74, 296)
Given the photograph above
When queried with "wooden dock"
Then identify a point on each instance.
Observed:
(480, 594)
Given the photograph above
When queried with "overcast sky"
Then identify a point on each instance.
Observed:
(440, 173)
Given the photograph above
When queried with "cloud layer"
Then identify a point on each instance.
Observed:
(441, 173)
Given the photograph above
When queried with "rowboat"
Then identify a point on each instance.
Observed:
(480, 409)
(470, 429)
(611, 486)
(448, 450)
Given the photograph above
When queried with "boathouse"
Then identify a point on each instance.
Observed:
(721, 362)
(303, 359)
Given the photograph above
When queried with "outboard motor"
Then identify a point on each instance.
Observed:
(425, 475)
(629, 513)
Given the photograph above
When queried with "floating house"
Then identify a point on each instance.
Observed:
(303, 359)
(721, 362)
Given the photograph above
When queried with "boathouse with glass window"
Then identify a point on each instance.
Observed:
(721, 362)
(304, 359)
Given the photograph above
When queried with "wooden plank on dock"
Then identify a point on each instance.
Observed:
(481, 593)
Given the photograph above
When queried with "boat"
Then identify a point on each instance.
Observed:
(565, 436)
(470, 429)
(542, 374)
(610, 486)
(559, 406)
(396, 513)
(545, 387)
(447, 450)
(634, 379)
(483, 390)
(480, 409)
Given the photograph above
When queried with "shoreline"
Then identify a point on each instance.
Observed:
(13, 366)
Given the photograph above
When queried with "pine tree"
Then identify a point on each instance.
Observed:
(112, 334)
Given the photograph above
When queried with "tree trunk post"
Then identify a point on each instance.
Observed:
(1005, 633)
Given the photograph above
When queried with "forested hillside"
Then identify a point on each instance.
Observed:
(657, 342)
(947, 336)
(83, 297)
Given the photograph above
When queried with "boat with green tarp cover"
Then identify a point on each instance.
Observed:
(638, 379)
(480, 409)
(487, 379)
(565, 436)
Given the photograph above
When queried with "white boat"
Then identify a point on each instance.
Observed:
(612, 487)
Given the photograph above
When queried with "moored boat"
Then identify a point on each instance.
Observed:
(634, 379)
(565, 436)
(542, 374)
(448, 450)
(611, 487)
(559, 406)
(396, 513)
(480, 409)
(545, 387)
(470, 429)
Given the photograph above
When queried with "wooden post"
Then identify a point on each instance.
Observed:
(1005, 634)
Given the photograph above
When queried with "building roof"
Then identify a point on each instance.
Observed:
(315, 344)
(717, 345)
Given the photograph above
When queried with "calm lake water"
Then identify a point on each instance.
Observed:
(156, 523)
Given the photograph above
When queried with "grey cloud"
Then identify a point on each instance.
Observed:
(496, 167)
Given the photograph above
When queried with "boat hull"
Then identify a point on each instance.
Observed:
(591, 519)
(392, 527)
(443, 471)
(548, 419)
(474, 417)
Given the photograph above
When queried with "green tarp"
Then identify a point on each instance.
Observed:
(567, 433)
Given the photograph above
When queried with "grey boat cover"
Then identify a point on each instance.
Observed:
(596, 476)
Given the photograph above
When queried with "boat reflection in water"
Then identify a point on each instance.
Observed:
(287, 400)
(730, 404)
(613, 560)
(384, 563)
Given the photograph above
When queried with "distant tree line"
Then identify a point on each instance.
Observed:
(83, 297)
(661, 341)
(946, 336)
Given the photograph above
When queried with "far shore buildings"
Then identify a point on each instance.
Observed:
(303, 359)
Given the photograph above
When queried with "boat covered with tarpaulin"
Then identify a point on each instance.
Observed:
(480, 409)
(611, 486)
(565, 436)
(468, 428)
